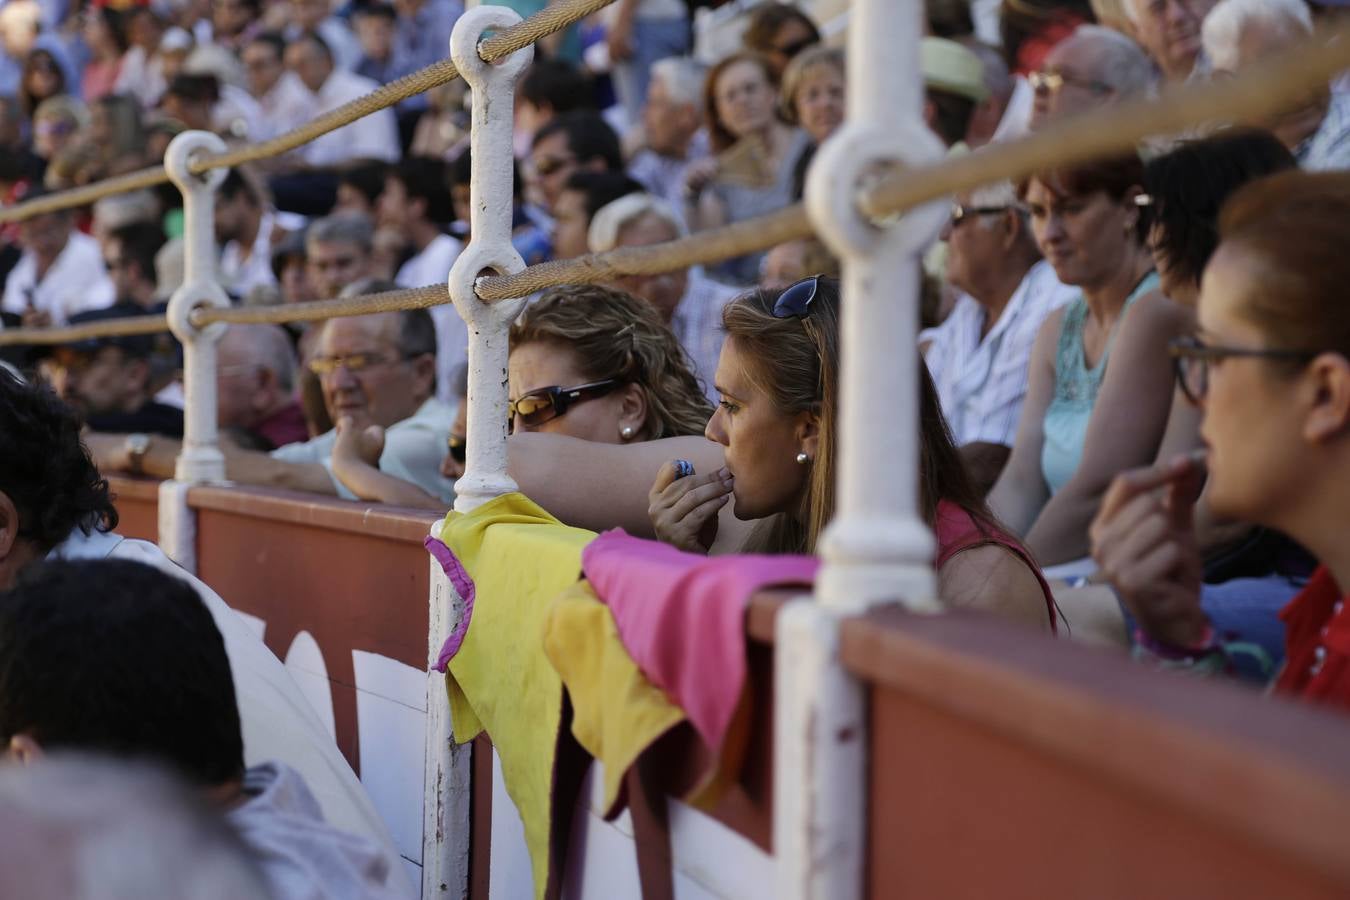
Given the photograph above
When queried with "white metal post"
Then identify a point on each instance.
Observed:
(878, 548)
(445, 836)
(200, 459)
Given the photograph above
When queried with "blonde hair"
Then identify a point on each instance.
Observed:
(803, 64)
(617, 335)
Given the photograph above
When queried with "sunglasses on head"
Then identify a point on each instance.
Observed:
(546, 404)
(796, 299)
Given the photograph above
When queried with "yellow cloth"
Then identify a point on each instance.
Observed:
(519, 558)
(616, 712)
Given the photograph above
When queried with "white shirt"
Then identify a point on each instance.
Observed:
(373, 137)
(697, 322)
(238, 275)
(277, 721)
(982, 383)
(432, 266)
(286, 105)
(77, 281)
(300, 855)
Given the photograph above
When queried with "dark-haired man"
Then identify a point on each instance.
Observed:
(575, 141)
(583, 195)
(55, 505)
(244, 227)
(416, 204)
(129, 256)
(59, 274)
(123, 659)
(372, 137)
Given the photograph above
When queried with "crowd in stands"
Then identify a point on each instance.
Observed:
(1134, 372)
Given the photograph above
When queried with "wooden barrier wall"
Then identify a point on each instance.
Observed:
(1002, 763)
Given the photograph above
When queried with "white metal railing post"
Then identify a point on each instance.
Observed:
(878, 548)
(200, 459)
(445, 836)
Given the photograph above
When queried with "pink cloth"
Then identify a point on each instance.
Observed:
(682, 617)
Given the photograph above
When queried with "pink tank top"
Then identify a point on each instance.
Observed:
(957, 530)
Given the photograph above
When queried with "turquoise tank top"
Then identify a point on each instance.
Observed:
(1076, 387)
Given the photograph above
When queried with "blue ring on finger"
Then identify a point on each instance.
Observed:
(683, 469)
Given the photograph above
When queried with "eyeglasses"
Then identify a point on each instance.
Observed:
(550, 165)
(1052, 82)
(458, 447)
(547, 404)
(1192, 358)
(352, 362)
(796, 299)
(961, 213)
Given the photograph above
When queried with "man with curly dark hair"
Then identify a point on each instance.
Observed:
(54, 505)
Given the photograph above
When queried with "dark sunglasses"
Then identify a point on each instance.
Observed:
(1192, 357)
(458, 448)
(796, 299)
(547, 404)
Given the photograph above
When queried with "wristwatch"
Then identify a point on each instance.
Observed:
(137, 446)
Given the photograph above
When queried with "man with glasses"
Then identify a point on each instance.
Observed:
(129, 257)
(378, 376)
(282, 98)
(573, 142)
(979, 355)
(1091, 68)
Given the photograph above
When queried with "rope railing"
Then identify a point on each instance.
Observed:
(553, 18)
(1262, 90)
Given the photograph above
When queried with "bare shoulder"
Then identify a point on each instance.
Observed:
(1155, 314)
(992, 578)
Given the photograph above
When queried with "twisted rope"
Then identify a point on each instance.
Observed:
(553, 18)
(1261, 91)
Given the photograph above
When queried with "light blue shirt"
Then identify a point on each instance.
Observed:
(1329, 147)
(413, 450)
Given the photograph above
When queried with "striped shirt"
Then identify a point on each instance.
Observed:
(981, 382)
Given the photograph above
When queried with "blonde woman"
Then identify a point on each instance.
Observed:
(587, 363)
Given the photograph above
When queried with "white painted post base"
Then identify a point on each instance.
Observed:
(177, 525)
(820, 761)
(449, 772)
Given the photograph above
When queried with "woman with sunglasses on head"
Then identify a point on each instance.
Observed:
(776, 423)
(1270, 370)
(588, 363)
(1100, 378)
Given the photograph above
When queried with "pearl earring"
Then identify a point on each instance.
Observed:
(626, 432)
(802, 458)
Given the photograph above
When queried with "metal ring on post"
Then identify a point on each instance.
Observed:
(842, 164)
(200, 459)
(490, 249)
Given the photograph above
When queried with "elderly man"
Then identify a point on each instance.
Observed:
(59, 274)
(1169, 31)
(1240, 32)
(1093, 67)
(690, 303)
(672, 122)
(111, 380)
(979, 356)
(54, 505)
(255, 388)
(373, 370)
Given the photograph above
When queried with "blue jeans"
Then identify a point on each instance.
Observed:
(652, 40)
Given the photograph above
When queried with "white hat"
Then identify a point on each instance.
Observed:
(948, 66)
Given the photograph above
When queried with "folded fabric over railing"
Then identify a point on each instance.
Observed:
(681, 618)
(513, 558)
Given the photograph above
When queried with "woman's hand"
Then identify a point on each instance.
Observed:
(684, 510)
(698, 175)
(1144, 540)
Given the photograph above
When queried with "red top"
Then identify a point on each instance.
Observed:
(1317, 643)
(957, 530)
